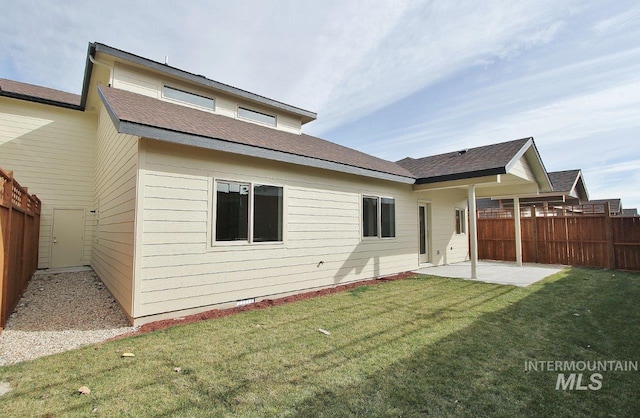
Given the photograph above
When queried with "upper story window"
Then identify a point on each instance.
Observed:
(186, 97)
(265, 118)
(378, 217)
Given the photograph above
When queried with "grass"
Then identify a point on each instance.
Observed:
(412, 347)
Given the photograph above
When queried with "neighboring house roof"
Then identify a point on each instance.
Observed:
(148, 117)
(474, 162)
(615, 205)
(630, 212)
(564, 181)
(30, 92)
(96, 47)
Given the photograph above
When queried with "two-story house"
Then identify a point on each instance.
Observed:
(184, 194)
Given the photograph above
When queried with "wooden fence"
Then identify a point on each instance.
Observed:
(19, 235)
(586, 238)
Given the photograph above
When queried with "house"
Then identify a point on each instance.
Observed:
(569, 189)
(183, 193)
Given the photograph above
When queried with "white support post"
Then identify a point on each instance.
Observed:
(516, 216)
(473, 231)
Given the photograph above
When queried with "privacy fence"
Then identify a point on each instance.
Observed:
(578, 236)
(19, 234)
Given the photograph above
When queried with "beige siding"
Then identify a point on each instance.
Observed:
(130, 79)
(51, 151)
(180, 269)
(148, 83)
(289, 124)
(522, 169)
(446, 246)
(115, 194)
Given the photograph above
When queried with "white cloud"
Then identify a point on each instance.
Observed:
(619, 22)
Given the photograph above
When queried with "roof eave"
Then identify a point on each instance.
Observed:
(40, 100)
(216, 144)
(462, 176)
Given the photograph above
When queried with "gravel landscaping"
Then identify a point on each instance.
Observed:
(59, 312)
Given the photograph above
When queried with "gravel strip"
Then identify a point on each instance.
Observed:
(60, 312)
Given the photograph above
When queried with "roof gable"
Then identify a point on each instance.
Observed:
(469, 163)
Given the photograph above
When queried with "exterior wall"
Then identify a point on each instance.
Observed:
(115, 198)
(446, 246)
(522, 169)
(150, 84)
(179, 268)
(51, 151)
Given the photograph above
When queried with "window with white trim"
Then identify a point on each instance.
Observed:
(246, 212)
(256, 116)
(461, 221)
(378, 217)
(187, 97)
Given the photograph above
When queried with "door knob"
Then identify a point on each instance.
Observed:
(54, 240)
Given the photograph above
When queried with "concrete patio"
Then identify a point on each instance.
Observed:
(495, 272)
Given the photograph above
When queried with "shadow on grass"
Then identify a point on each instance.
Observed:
(422, 346)
(480, 371)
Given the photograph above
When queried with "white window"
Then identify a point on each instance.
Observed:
(248, 212)
(186, 97)
(378, 217)
(255, 116)
(461, 221)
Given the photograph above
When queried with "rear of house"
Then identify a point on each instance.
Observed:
(190, 194)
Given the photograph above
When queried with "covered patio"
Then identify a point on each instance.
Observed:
(498, 272)
(507, 170)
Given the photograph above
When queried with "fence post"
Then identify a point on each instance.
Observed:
(609, 231)
(8, 200)
(534, 233)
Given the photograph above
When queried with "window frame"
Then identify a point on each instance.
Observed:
(189, 104)
(248, 109)
(460, 219)
(212, 229)
(378, 199)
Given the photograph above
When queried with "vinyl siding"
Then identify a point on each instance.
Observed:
(51, 152)
(522, 169)
(181, 269)
(115, 196)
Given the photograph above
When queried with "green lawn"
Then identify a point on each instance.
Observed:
(412, 347)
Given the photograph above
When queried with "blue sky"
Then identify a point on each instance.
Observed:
(391, 78)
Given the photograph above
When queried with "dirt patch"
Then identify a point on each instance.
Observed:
(266, 303)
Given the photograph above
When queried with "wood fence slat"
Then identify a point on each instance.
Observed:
(19, 235)
(591, 237)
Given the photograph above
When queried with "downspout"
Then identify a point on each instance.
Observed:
(94, 61)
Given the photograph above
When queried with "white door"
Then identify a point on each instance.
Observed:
(68, 238)
(423, 224)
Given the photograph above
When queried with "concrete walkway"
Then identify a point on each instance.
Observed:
(495, 272)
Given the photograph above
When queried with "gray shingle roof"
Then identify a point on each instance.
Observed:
(563, 181)
(35, 93)
(146, 111)
(473, 162)
(615, 205)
